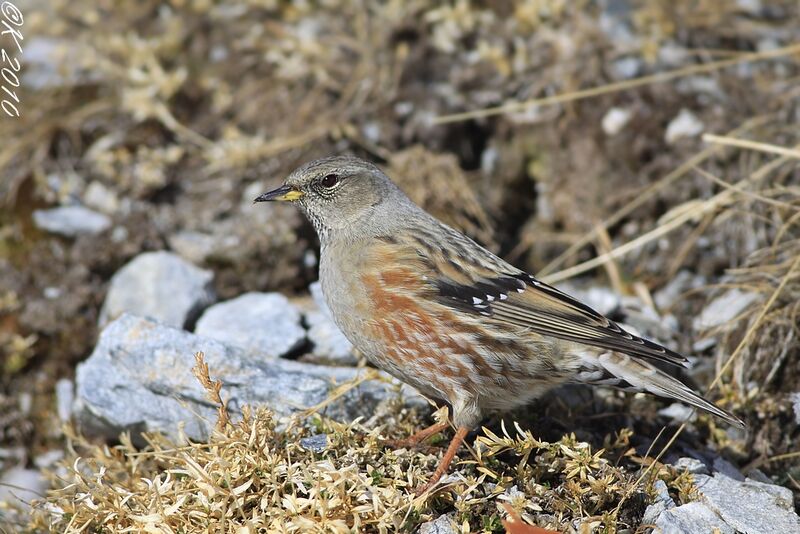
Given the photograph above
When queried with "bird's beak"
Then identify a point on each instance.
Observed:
(285, 193)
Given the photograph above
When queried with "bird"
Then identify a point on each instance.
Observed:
(430, 306)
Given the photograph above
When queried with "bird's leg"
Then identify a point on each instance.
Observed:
(458, 439)
(418, 437)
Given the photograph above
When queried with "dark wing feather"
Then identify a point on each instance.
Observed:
(521, 299)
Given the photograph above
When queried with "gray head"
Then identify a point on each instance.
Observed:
(342, 194)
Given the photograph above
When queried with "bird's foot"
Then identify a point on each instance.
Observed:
(458, 439)
(414, 441)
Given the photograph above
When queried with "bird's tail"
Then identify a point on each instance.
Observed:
(625, 372)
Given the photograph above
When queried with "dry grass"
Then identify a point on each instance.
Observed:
(259, 475)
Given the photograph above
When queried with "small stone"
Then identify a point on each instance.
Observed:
(626, 68)
(101, 198)
(615, 120)
(263, 323)
(672, 54)
(19, 486)
(692, 465)
(316, 443)
(52, 293)
(65, 395)
(71, 221)
(723, 309)
(691, 518)
(48, 459)
(603, 299)
(666, 297)
(796, 406)
(160, 285)
(442, 525)
(330, 344)
(686, 124)
(194, 246)
(679, 413)
(662, 503)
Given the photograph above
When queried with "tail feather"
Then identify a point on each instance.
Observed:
(623, 371)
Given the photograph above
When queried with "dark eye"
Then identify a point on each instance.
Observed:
(329, 180)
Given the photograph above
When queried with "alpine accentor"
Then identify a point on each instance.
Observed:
(438, 311)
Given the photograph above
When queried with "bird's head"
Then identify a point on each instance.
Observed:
(339, 193)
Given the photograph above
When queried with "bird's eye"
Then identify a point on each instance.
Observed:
(329, 180)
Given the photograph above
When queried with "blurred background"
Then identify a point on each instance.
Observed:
(663, 137)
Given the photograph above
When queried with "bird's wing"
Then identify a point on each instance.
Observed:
(471, 279)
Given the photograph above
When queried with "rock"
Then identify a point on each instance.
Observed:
(615, 120)
(139, 379)
(48, 459)
(666, 297)
(723, 466)
(329, 343)
(160, 285)
(444, 524)
(626, 68)
(686, 124)
(691, 518)
(679, 413)
(692, 465)
(662, 503)
(603, 299)
(796, 406)
(261, 323)
(315, 443)
(316, 293)
(20, 486)
(71, 221)
(65, 394)
(194, 246)
(749, 506)
(722, 309)
(101, 198)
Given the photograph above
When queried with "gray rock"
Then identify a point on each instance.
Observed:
(626, 68)
(71, 221)
(679, 413)
(444, 524)
(685, 124)
(796, 406)
(615, 120)
(723, 466)
(262, 323)
(693, 465)
(723, 308)
(662, 503)
(691, 518)
(194, 246)
(749, 506)
(603, 299)
(316, 293)
(315, 443)
(666, 297)
(329, 343)
(65, 394)
(20, 486)
(139, 379)
(101, 198)
(160, 285)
